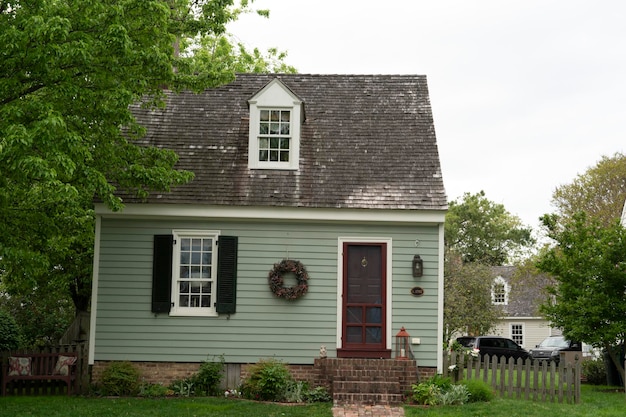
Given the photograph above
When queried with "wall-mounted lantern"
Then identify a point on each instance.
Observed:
(418, 266)
(402, 344)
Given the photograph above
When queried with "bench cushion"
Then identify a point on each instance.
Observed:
(19, 366)
(63, 365)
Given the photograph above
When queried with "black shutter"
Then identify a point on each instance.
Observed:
(162, 273)
(226, 274)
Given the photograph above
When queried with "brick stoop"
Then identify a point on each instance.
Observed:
(366, 381)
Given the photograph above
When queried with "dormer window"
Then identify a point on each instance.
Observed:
(274, 135)
(274, 138)
(500, 291)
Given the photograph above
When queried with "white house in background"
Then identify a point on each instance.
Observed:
(521, 320)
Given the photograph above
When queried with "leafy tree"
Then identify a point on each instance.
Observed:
(42, 316)
(217, 54)
(484, 232)
(9, 332)
(71, 69)
(599, 192)
(589, 297)
(479, 234)
(467, 307)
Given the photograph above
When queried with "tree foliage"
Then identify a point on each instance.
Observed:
(42, 315)
(71, 68)
(479, 234)
(599, 192)
(9, 332)
(467, 307)
(220, 54)
(589, 265)
(484, 232)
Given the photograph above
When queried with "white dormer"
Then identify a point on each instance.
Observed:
(500, 291)
(275, 119)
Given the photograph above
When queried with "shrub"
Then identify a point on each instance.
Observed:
(455, 395)
(183, 387)
(295, 391)
(207, 380)
(153, 390)
(317, 395)
(426, 394)
(430, 391)
(478, 390)
(268, 381)
(9, 332)
(595, 371)
(120, 378)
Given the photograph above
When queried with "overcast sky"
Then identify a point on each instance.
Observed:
(526, 95)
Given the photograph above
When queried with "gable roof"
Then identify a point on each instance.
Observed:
(526, 294)
(368, 141)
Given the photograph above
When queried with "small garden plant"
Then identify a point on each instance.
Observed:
(207, 380)
(120, 379)
(270, 380)
(440, 390)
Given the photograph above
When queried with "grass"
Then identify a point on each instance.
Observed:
(61, 406)
(596, 401)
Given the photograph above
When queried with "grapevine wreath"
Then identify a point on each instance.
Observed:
(277, 283)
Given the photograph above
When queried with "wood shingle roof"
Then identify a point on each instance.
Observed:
(367, 141)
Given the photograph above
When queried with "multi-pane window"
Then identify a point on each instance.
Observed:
(517, 333)
(194, 273)
(499, 291)
(274, 135)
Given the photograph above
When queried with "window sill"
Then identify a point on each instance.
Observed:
(193, 312)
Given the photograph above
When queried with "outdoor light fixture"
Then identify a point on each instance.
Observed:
(418, 266)
(402, 344)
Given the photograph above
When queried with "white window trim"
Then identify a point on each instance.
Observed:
(523, 332)
(194, 311)
(274, 96)
(507, 288)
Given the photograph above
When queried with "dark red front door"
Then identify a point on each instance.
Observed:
(364, 296)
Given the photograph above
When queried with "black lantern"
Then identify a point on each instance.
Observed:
(402, 344)
(418, 266)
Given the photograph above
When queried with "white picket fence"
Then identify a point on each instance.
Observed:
(528, 379)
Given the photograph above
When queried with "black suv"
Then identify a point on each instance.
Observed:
(551, 347)
(493, 345)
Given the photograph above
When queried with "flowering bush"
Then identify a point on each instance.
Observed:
(277, 283)
(232, 393)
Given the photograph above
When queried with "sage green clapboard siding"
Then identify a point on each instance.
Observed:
(263, 326)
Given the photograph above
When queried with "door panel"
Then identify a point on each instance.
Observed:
(364, 301)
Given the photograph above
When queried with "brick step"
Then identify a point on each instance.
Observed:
(367, 387)
(367, 399)
(382, 372)
(365, 377)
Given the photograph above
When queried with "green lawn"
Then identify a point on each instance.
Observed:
(61, 406)
(596, 401)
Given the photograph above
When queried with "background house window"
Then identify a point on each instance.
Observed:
(499, 291)
(517, 333)
(274, 135)
(194, 273)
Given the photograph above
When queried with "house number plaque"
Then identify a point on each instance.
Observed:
(417, 291)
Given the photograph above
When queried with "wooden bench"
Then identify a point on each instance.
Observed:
(41, 367)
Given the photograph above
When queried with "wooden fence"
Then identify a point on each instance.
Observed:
(44, 387)
(528, 379)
